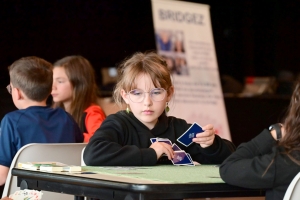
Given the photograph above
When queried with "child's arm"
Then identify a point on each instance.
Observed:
(6, 198)
(8, 146)
(93, 120)
(251, 165)
(3, 174)
(118, 143)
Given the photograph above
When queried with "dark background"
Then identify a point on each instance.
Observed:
(252, 38)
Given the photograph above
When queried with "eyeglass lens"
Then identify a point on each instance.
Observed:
(156, 94)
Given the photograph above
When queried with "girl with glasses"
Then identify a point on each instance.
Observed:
(123, 139)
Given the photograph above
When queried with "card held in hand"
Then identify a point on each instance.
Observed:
(187, 137)
(165, 140)
(175, 147)
(153, 140)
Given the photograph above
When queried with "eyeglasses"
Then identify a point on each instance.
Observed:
(9, 88)
(156, 94)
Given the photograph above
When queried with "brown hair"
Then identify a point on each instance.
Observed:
(32, 75)
(148, 63)
(82, 77)
(291, 141)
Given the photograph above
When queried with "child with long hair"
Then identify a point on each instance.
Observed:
(34, 122)
(75, 90)
(270, 160)
(123, 139)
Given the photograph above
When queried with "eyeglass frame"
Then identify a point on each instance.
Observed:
(9, 88)
(128, 93)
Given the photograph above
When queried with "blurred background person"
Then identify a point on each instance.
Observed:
(75, 90)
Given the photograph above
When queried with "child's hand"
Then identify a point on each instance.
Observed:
(161, 147)
(206, 138)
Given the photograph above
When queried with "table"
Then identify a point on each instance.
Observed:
(155, 182)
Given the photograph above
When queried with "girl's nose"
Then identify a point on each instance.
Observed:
(147, 100)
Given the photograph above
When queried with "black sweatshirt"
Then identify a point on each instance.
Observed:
(246, 166)
(122, 140)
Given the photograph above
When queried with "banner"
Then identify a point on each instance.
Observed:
(184, 37)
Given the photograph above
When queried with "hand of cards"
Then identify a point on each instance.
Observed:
(26, 194)
(187, 137)
(180, 156)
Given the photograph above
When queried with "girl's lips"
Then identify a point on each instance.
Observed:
(147, 111)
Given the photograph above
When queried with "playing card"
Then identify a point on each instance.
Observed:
(165, 140)
(181, 158)
(26, 194)
(187, 137)
(153, 140)
(190, 158)
(175, 147)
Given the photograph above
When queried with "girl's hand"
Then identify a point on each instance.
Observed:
(274, 134)
(206, 138)
(161, 147)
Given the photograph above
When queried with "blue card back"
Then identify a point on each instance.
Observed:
(181, 158)
(153, 140)
(187, 137)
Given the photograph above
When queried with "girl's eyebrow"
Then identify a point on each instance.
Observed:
(60, 78)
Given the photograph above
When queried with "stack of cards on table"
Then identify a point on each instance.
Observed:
(49, 166)
(181, 157)
(26, 194)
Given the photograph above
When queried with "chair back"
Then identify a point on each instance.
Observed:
(82, 161)
(293, 191)
(67, 153)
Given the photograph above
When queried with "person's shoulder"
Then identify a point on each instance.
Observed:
(120, 120)
(122, 114)
(94, 108)
(14, 112)
(120, 117)
(58, 110)
(12, 115)
(59, 113)
(12, 120)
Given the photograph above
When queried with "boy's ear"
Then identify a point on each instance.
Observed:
(19, 94)
(124, 96)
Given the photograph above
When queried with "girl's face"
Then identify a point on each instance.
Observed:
(62, 89)
(147, 111)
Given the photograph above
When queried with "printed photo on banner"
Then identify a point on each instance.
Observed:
(170, 45)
